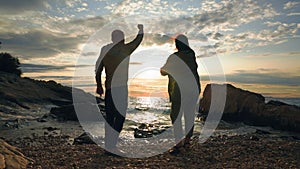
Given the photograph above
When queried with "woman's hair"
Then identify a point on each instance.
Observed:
(182, 43)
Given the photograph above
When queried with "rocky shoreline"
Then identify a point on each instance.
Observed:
(53, 144)
(250, 108)
(246, 151)
(39, 129)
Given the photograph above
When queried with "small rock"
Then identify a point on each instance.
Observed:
(42, 120)
(262, 132)
(255, 138)
(51, 128)
(85, 138)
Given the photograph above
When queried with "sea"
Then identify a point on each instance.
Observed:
(154, 111)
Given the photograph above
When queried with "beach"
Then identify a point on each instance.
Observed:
(39, 128)
(247, 151)
(50, 144)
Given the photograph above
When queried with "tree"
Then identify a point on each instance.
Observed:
(9, 64)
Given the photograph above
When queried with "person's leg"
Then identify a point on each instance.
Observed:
(189, 117)
(176, 117)
(120, 100)
(120, 119)
(110, 120)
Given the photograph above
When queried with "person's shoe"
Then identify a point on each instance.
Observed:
(174, 151)
(187, 142)
(180, 143)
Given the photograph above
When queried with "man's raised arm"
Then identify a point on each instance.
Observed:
(138, 39)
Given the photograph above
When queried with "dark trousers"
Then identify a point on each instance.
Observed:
(186, 108)
(115, 107)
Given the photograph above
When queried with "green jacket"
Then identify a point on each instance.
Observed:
(188, 57)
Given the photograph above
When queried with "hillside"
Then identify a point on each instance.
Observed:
(19, 95)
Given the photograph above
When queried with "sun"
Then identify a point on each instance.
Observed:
(148, 73)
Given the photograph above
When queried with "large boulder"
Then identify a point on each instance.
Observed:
(11, 157)
(64, 113)
(250, 108)
(240, 104)
(281, 116)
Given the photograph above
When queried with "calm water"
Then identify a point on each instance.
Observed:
(155, 110)
(291, 101)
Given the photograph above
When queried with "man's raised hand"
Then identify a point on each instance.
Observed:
(140, 26)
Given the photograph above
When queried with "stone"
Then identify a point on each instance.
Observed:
(250, 108)
(84, 138)
(68, 113)
(42, 120)
(240, 104)
(11, 157)
(282, 116)
(148, 130)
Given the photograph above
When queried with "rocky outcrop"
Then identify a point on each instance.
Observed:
(11, 157)
(28, 98)
(24, 96)
(250, 108)
(281, 116)
(23, 92)
(68, 113)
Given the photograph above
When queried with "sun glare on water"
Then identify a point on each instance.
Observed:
(149, 73)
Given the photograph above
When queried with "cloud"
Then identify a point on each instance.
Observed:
(213, 16)
(290, 4)
(39, 43)
(154, 7)
(50, 33)
(262, 76)
(56, 78)
(227, 15)
(136, 63)
(86, 25)
(279, 55)
(156, 39)
(49, 37)
(265, 37)
(30, 68)
(260, 70)
(293, 14)
(207, 54)
(215, 36)
(269, 23)
(17, 6)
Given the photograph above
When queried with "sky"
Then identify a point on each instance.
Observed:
(254, 42)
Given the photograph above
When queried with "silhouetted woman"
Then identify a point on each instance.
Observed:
(183, 89)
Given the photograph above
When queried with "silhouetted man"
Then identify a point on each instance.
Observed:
(184, 88)
(114, 58)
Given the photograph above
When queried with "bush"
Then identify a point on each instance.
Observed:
(9, 64)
